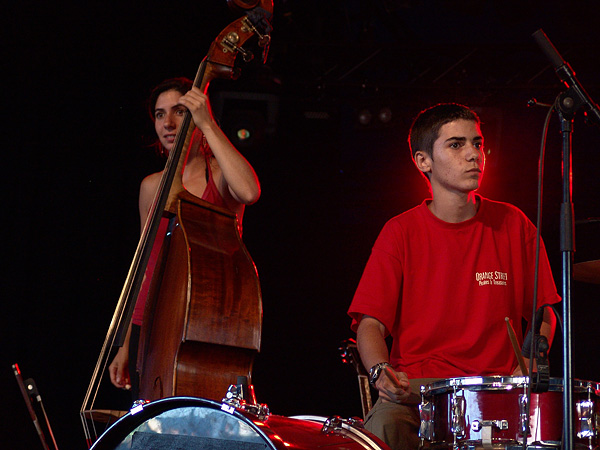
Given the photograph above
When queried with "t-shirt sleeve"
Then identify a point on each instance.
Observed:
(379, 288)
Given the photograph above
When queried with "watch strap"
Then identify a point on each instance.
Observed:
(375, 372)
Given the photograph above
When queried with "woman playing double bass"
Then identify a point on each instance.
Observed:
(214, 171)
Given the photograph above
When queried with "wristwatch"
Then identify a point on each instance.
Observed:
(375, 372)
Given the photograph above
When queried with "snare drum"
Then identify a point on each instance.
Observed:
(489, 412)
(194, 423)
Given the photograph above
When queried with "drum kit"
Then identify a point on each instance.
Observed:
(469, 413)
(238, 422)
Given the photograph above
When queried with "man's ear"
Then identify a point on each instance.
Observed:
(423, 162)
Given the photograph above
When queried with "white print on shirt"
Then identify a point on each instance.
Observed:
(491, 278)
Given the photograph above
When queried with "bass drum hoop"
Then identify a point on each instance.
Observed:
(303, 432)
(345, 428)
(118, 432)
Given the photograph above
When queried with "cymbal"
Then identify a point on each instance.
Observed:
(588, 271)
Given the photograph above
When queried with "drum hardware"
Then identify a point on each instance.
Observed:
(493, 411)
(541, 379)
(567, 104)
(138, 405)
(457, 404)
(352, 427)
(524, 428)
(588, 414)
(241, 396)
(335, 424)
(332, 424)
(426, 413)
(485, 426)
(196, 423)
(585, 412)
(536, 347)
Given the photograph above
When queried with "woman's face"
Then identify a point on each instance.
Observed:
(168, 115)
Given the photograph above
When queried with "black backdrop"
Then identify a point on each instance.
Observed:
(78, 135)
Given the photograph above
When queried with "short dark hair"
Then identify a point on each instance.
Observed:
(180, 84)
(425, 129)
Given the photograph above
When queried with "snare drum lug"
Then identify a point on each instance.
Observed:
(426, 412)
(523, 429)
(585, 415)
(458, 408)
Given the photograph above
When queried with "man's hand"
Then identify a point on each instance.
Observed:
(393, 386)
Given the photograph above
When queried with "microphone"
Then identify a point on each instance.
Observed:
(567, 76)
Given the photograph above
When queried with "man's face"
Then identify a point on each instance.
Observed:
(458, 160)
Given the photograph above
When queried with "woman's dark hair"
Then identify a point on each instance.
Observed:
(181, 85)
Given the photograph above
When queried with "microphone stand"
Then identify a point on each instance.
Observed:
(567, 247)
(567, 105)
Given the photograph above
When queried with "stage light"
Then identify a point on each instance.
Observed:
(364, 117)
(246, 117)
(243, 134)
(385, 115)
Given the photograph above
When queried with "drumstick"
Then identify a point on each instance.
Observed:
(392, 376)
(515, 344)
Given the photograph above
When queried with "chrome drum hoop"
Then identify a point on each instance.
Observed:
(195, 423)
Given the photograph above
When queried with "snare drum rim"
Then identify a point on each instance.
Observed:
(491, 383)
(118, 431)
(499, 383)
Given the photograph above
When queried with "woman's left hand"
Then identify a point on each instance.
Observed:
(199, 106)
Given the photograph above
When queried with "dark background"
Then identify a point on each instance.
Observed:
(78, 147)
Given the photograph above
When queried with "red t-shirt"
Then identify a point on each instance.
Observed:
(443, 290)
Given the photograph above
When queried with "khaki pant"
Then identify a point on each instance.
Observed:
(398, 424)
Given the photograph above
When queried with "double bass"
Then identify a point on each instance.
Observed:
(203, 316)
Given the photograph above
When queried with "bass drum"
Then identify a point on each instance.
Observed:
(194, 423)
